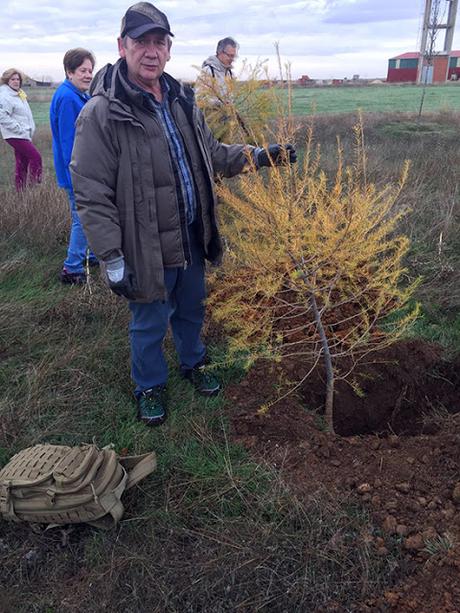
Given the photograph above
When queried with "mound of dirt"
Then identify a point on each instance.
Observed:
(396, 458)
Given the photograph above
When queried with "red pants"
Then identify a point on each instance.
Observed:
(27, 157)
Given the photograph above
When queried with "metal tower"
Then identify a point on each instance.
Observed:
(439, 15)
(435, 10)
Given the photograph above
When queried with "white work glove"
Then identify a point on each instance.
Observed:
(121, 278)
(115, 269)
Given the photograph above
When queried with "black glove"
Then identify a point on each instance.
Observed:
(127, 287)
(277, 155)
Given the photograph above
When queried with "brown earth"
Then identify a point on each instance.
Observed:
(398, 454)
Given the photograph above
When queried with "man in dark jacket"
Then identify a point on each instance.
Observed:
(142, 169)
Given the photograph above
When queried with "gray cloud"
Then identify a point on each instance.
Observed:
(319, 34)
(368, 11)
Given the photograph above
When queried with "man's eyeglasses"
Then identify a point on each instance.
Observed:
(231, 56)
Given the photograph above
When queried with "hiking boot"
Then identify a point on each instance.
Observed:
(151, 406)
(72, 278)
(203, 380)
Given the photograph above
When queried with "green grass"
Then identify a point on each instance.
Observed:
(41, 112)
(210, 529)
(332, 99)
(375, 99)
(439, 327)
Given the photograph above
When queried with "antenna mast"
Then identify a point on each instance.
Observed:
(433, 24)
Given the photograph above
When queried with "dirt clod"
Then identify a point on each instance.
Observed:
(414, 542)
(389, 524)
(456, 494)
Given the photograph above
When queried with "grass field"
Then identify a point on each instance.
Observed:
(318, 100)
(211, 529)
(375, 99)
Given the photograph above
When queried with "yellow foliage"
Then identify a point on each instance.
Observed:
(237, 111)
(295, 233)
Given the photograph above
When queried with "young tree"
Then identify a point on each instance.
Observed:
(238, 109)
(314, 264)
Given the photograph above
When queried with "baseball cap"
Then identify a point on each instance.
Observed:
(142, 17)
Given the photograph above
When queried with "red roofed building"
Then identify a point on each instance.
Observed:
(404, 68)
(454, 66)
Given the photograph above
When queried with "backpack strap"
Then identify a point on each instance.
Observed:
(135, 468)
(6, 502)
(138, 467)
(211, 68)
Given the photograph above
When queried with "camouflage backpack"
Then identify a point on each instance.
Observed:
(55, 484)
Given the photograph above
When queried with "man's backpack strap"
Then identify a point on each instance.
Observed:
(211, 68)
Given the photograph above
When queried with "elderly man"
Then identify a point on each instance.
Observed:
(220, 65)
(142, 169)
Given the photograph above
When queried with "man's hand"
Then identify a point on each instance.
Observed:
(276, 155)
(121, 278)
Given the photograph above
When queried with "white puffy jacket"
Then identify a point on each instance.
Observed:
(16, 119)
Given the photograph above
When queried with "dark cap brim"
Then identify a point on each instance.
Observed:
(147, 27)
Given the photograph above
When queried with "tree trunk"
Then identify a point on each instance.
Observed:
(329, 403)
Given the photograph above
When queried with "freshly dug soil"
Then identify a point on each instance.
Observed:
(398, 454)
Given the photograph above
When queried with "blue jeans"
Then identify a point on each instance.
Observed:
(184, 309)
(78, 245)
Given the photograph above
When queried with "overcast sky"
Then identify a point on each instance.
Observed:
(320, 38)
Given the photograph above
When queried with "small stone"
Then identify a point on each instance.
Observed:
(392, 598)
(367, 538)
(382, 551)
(324, 452)
(391, 505)
(364, 488)
(432, 505)
(414, 542)
(377, 482)
(402, 530)
(375, 444)
(376, 501)
(389, 524)
(336, 463)
(448, 513)
(410, 460)
(413, 505)
(366, 497)
(404, 488)
(422, 501)
(31, 556)
(429, 534)
(456, 494)
(393, 441)
(379, 541)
